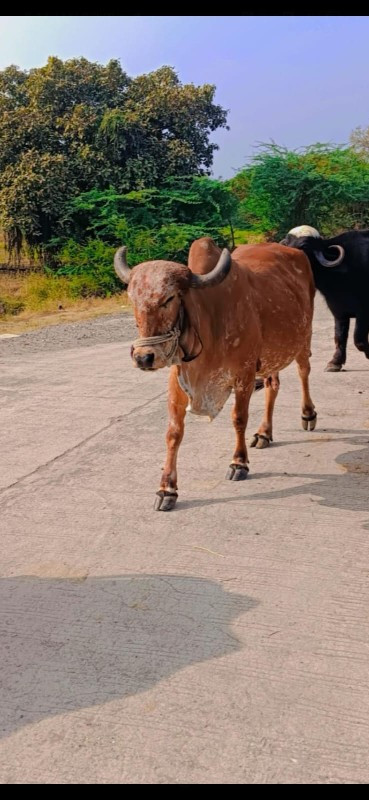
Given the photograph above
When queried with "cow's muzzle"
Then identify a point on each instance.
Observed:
(159, 351)
(144, 362)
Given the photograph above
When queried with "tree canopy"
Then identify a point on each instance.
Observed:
(323, 186)
(75, 126)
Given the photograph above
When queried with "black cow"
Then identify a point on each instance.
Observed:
(341, 273)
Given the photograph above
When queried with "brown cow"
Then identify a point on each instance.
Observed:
(218, 323)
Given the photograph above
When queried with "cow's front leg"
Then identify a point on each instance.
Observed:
(177, 403)
(238, 469)
(341, 331)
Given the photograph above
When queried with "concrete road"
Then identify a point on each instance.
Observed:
(225, 642)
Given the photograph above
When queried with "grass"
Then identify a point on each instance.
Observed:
(243, 236)
(35, 300)
(248, 237)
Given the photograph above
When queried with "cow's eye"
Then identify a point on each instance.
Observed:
(168, 300)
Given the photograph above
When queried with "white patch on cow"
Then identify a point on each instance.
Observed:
(208, 399)
(185, 385)
(304, 230)
(236, 342)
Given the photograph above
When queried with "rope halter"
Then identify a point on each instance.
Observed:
(157, 342)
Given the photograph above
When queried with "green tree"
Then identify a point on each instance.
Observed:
(326, 187)
(76, 126)
(188, 201)
(152, 223)
(31, 207)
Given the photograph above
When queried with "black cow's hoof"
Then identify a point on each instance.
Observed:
(332, 367)
(237, 472)
(260, 440)
(165, 501)
(309, 423)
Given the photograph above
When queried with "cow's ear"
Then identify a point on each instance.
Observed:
(189, 342)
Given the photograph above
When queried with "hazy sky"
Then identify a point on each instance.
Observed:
(296, 80)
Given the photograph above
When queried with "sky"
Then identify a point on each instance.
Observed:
(292, 79)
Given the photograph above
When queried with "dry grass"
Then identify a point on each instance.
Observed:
(81, 310)
(244, 237)
(50, 301)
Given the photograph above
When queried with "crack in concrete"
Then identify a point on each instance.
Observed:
(113, 421)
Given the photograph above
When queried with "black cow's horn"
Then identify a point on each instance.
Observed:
(325, 263)
(216, 275)
(120, 265)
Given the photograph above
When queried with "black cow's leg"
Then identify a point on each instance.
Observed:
(177, 403)
(361, 334)
(238, 469)
(341, 331)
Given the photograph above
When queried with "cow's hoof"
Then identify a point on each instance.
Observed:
(260, 440)
(332, 367)
(236, 472)
(165, 501)
(309, 423)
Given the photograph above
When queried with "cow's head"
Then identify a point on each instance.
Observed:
(308, 239)
(156, 289)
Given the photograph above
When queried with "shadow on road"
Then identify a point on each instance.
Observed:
(69, 644)
(347, 491)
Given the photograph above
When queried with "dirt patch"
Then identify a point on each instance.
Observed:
(71, 332)
(80, 311)
(357, 466)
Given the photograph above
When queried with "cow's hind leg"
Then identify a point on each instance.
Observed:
(177, 403)
(309, 415)
(264, 435)
(341, 331)
(361, 334)
(238, 469)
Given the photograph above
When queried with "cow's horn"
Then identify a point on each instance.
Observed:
(216, 275)
(325, 263)
(120, 265)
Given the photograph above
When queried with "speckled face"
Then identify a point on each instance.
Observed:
(155, 291)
